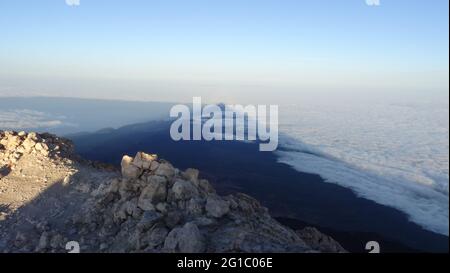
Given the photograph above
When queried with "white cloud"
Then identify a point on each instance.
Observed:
(27, 119)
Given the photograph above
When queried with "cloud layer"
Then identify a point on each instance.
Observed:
(394, 154)
(27, 119)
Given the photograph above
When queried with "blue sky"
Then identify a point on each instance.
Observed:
(226, 45)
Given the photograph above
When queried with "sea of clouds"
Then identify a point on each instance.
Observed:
(394, 154)
(19, 119)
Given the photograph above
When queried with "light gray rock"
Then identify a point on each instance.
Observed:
(166, 170)
(154, 166)
(149, 218)
(216, 206)
(161, 207)
(143, 160)
(195, 206)
(40, 147)
(43, 241)
(146, 205)
(186, 239)
(28, 144)
(129, 170)
(155, 191)
(184, 190)
(130, 208)
(120, 212)
(155, 237)
(205, 186)
(107, 188)
(191, 174)
(205, 221)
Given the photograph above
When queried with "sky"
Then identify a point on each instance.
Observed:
(223, 50)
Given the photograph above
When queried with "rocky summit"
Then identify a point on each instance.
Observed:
(51, 198)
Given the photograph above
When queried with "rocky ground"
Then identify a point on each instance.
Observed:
(49, 197)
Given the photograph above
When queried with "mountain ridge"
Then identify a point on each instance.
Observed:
(149, 206)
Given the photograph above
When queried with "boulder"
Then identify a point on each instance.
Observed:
(43, 241)
(156, 237)
(166, 170)
(161, 207)
(155, 192)
(107, 188)
(145, 205)
(120, 213)
(205, 186)
(129, 170)
(40, 147)
(186, 239)
(143, 160)
(33, 135)
(12, 142)
(191, 174)
(154, 166)
(184, 190)
(28, 144)
(195, 206)
(132, 209)
(149, 218)
(216, 206)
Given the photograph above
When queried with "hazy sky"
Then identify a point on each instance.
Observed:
(222, 49)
